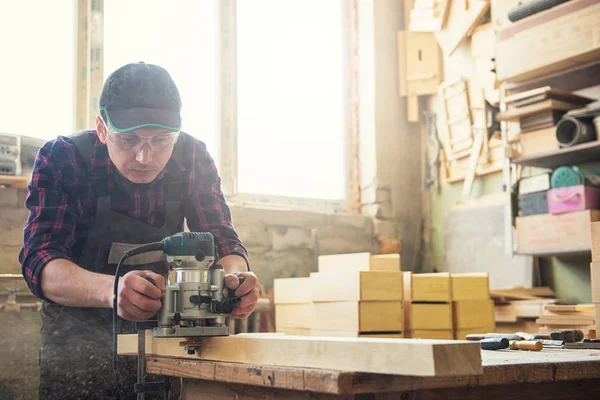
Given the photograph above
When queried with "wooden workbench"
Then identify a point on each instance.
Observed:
(508, 374)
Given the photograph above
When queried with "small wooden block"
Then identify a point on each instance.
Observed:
(364, 316)
(294, 315)
(412, 108)
(430, 334)
(473, 313)
(431, 316)
(431, 287)
(292, 290)
(354, 262)
(470, 286)
(356, 286)
(355, 334)
(595, 275)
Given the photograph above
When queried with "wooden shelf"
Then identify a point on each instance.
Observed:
(19, 182)
(574, 78)
(579, 154)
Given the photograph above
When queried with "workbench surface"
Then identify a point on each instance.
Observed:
(507, 373)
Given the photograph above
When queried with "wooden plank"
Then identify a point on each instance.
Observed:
(364, 316)
(595, 281)
(513, 114)
(596, 242)
(294, 331)
(575, 308)
(357, 286)
(431, 316)
(294, 315)
(473, 314)
(473, 161)
(431, 334)
(18, 182)
(500, 368)
(470, 286)
(550, 92)
(563, 320)
(461, 21)
(386, 356)
(355, 334)
(431, 287)
(292, 290)
(356, 262)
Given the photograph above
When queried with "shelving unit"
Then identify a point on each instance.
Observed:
(579, 74)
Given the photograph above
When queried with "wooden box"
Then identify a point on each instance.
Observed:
(539, 141)
(356, 286)
(293, 316)
(473, 286)
(359, 262)
(554, 233)
(430, 316)
(431, 287)
(550, 41)
(473, 314)
(355, 316)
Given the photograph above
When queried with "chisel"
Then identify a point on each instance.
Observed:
(494, 343)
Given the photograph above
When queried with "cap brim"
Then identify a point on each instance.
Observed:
(137, 118)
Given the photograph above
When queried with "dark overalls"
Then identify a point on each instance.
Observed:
(76, 356)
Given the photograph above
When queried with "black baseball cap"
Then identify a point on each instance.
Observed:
(141, 95)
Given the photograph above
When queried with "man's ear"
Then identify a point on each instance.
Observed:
(100, 130)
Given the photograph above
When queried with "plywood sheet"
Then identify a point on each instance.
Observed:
(471, 246)
(416, 357)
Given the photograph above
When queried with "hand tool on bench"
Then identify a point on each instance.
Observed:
(531, 345)
(194, 305)
(494, 343)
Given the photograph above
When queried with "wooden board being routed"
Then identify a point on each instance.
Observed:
(414, 357)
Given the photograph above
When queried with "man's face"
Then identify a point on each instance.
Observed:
(139, 164)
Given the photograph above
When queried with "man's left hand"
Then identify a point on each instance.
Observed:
(249, 291)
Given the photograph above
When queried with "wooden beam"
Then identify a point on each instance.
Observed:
(386, 356)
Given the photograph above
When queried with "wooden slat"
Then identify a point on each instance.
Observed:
(385, 356)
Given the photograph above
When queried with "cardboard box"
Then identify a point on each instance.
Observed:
(555, 233)
(539, 141)
(550, 41)
(573, 198)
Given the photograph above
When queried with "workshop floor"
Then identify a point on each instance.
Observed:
(19, 350)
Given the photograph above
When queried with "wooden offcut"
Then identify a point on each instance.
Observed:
(473, 314)
(431, 287)
(357, 286)
(383, 356)
(462, 18)
(292, 290)
(470, 286)
(355, 262)
(364, 316)
(431, 316)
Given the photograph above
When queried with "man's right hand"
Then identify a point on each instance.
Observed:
(137, 298)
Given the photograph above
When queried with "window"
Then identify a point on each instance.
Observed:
(292, 98)
(183, 38)
(37, 79)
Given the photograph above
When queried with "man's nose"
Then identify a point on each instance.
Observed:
(144, 155)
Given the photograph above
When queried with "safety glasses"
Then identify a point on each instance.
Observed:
(131, 141)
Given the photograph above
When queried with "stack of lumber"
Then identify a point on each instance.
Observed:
(580, 316)
(446, 306)
(293, 306)
(358, 295)
(516, 309)
(538, 111)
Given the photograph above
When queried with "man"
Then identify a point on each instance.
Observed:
(131, 181)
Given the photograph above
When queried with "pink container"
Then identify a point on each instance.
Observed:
(573, 198)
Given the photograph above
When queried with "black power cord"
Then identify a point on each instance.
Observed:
(129, 253)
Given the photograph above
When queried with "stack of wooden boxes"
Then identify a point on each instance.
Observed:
(293, 306)
(449, 306)
(357, 295)
(472, 306)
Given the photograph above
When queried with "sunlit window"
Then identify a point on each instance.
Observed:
(181, 36)
(291, 101)
(38, 44)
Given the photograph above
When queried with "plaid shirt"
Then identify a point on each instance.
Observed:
(62, 202)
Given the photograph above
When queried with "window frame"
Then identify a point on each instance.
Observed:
(90, 72)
